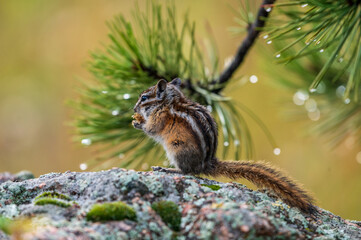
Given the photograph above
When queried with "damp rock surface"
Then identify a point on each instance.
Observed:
(208, 209)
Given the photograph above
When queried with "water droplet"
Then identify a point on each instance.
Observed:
(321, 88)
(253, 79)
(340, 60)
(121, 155)
(236, 142)
(126, 96)
(104, 92)
(318, 42)
(299, 28)
(228, 61)
(86, 141)
(115, 112)
(307, 43)
(226, 144)
(340, 91)
(347, 101)
(314, 116)
(297, 100)
(277, 151)
(322, 50)
(209, 107)
(304, 5)
(265, 36)
(268, 9)
(311, 105)
(358, 157)
(269, 42)
(83, 166)
(312, 90)
(132, 82)
(300, 97)
(278, 55)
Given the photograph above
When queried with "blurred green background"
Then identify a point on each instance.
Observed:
(43, 48)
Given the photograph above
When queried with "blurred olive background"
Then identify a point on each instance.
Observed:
(43, 49)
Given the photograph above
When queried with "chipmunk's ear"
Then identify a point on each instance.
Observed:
(161, 86)
(176, 82)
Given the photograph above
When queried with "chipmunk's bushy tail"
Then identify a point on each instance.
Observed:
(263, 175)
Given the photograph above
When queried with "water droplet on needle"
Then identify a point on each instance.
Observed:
(253, 79)
(277, 151)
(83, 166)
(86, 141)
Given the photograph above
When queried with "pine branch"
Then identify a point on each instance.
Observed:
(135, 60)
(253, 32)
(330, 115)
(317, 27)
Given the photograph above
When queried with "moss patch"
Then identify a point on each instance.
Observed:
(169, 212)
(212, 186)
(53, 201)
(53, 198)
(5, 224)
(53, 195)
(111, 211)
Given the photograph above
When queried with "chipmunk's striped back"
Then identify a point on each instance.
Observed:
(203, 125)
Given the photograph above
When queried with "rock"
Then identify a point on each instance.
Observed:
(24, 175)
(20, 176)
(208, 209)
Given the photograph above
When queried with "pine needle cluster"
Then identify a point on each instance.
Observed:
(319, 27)
(323, 50)
(333, 116)
(152, 47)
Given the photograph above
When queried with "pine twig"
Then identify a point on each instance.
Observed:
(253, 31)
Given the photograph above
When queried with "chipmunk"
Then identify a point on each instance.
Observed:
(189, 133)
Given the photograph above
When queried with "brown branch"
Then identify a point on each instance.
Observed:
(152, 72)
(253, 31)
(353, 2)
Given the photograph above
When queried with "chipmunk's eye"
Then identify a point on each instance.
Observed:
(144, 98)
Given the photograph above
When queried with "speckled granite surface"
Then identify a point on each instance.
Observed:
(208, 212)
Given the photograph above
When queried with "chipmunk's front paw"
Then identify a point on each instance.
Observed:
(158, 169)
(137, 124)
(138, 121)
(166, 170)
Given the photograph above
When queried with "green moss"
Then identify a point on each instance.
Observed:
(5, 224)
(212, 186)
(53, 195)
(47, 200)
(111, 211)
(53, 198)
(169, 213)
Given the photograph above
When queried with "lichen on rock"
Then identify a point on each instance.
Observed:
(231, 211)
